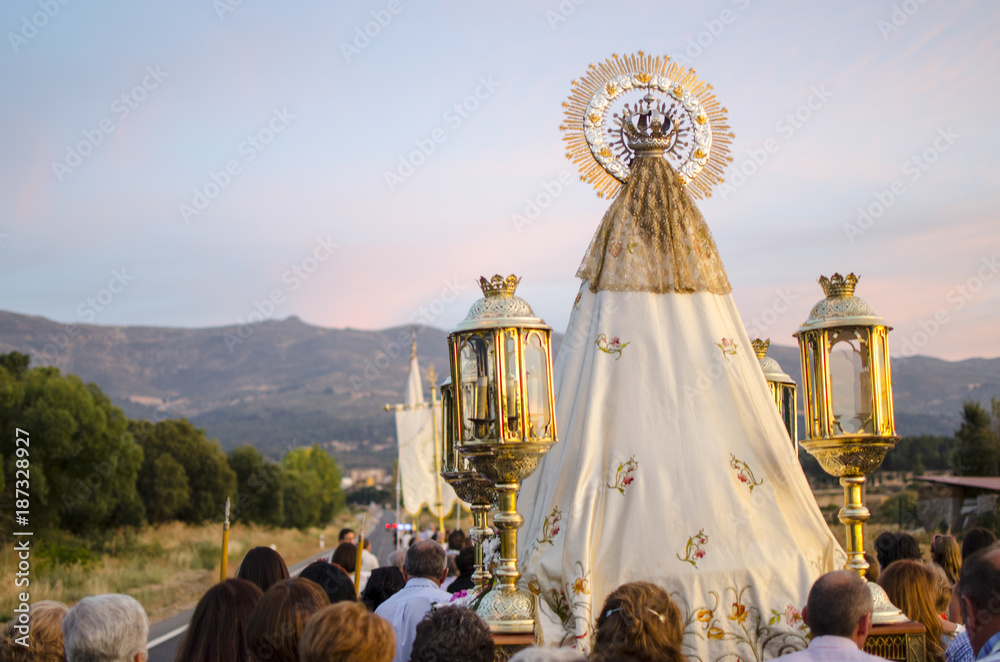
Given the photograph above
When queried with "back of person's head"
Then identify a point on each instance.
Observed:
(345, 534)
(872, 571)
(980, 580)
(466, 561)
(105, 628)
(452, 634)
(397, 558)
(456, 540)
(837, 603)
(218, 627)
(264, 567)
(532, 654)
(277, 622)
(908, 548)
(911, 587)
(383, 584)
(425, 559)
(347, 632)
(885, 548)
(43, 633)
(346, 556)
(332, 579)
(639, 619)
(946, 553)
(975, 540)
(891, 547)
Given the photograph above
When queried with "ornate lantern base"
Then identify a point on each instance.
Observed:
(473, 488)
(851, 459)
(507, 609)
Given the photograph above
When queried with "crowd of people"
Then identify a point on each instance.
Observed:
(404, 612)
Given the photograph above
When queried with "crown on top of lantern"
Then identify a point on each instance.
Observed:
(651, 132)
(837, 286)
(498, 286)
(760, 347)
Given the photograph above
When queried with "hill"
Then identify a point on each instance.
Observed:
(286, 383)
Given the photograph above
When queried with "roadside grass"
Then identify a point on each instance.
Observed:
(166, 568)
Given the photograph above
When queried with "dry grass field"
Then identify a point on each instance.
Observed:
(166, 568)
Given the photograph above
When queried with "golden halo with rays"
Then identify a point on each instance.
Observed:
(701, 149)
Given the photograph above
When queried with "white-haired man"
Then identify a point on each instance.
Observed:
(839, 614)
(106, 628)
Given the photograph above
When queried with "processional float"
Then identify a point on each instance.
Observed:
(673, 464)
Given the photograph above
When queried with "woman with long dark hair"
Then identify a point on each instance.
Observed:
(217, 631)
(264, 567)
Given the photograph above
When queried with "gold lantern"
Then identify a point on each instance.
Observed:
(782, 390)
(470, 486)
(848, 396)
(501, 368)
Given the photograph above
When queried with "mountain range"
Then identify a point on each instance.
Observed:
(286, 383)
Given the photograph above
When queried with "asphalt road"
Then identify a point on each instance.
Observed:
(165, 636)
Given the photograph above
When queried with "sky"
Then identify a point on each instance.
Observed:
(361, 164)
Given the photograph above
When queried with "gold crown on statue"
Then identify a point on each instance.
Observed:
(498, 286)
(760, 347)
(651, 132)
(837, 286)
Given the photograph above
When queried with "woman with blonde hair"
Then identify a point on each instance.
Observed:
(45, 641)
(347, 632)
(912, 587)
(639, 619)
(946, 553)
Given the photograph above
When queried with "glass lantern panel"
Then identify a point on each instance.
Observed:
(788, 413)
(536, 368)
(511, 382)
(449, 461)
(883, 386)
(850, 383)
(478, 383)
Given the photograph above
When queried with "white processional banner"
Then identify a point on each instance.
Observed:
(418, 470)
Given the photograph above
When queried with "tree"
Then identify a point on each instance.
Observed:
(976, 450)
(82, 462)
(259, 487)
(206, 472)
(318, 462)
(301, 498)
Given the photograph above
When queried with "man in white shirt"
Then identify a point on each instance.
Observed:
(839, 614)
(424, 568)
(978, 592)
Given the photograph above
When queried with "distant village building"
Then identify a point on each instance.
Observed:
(955, 500)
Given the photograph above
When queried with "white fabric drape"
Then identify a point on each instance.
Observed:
(672, 466)
(418, 472)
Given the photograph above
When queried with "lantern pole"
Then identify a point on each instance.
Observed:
(432, 378)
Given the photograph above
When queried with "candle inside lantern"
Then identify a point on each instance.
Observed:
(481, 398)
(511, 397)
